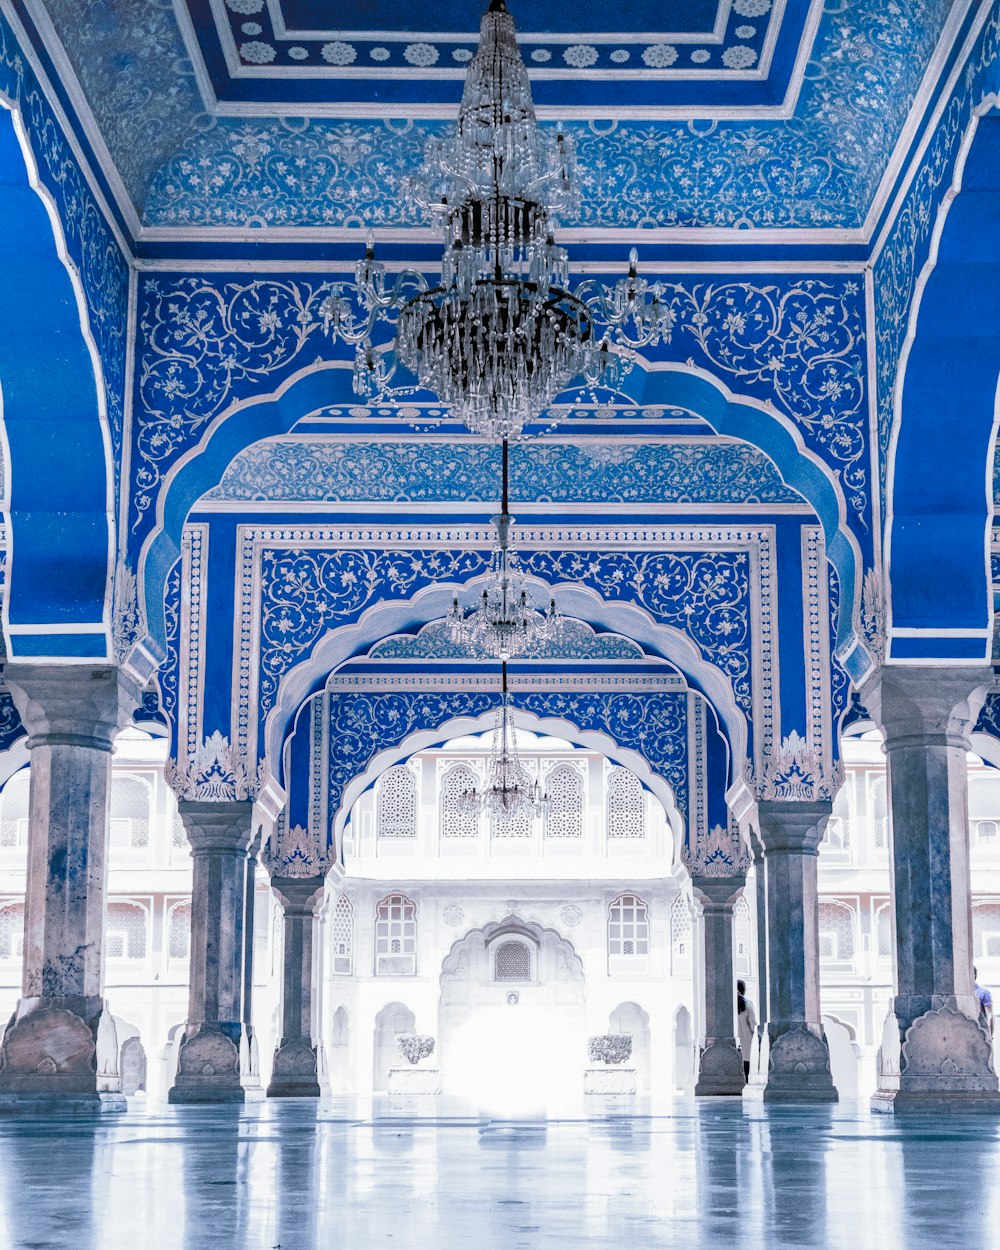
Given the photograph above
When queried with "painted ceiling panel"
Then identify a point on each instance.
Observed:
(186, 163)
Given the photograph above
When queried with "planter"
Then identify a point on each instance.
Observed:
(605, 1080)
(406, 1081)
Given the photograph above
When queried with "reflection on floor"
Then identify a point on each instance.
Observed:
(352, 1175)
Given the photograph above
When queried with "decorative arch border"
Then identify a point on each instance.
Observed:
(664, 383)
(516, 926)
(61, 560)
(932, 568)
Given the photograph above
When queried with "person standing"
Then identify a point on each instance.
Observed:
(985, 1000)
(746, 1025)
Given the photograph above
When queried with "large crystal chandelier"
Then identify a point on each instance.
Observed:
(506, 622)
(510, 792)
(501, 335)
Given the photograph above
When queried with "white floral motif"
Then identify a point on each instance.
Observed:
(420, 53)
(739, 56)
(251, 28)
(795, 772)
(660, 55)
(339, 53)
(751, 8)
(215, 773)
(245, 6)
(719, 853)
(745, 32)
(541, 55)
(453, 916)
(294, 852)
(700, 55)
(620, 55)
(580, 55)
(257, 53)
(298, 53)
(461, 55)
(379, 54)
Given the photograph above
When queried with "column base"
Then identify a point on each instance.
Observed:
(945, 1062)
(295, 1072)
(49, 1053)
(720, 1070)
(798, 1065)
(208, 1069)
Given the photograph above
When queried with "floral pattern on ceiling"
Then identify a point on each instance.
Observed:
(304, 470)
(183, 167)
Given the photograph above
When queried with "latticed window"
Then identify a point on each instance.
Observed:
(14, 810)
(396, 934)
(178, 836)
(986, 930)
(837, 836)
(343, 936)
(628, 926)
(564, 819)
(179, 931)
(880, 814)
(742, 938)
(125, 931)
(883, 931)
(626, 806)
(129, 812)
(457, 822)
(836, 931)
(397, 804)
(12, 931)
(512, 962)
(516, 826)
(680, 934)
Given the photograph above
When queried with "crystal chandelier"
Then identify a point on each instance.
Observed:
(505, 622)
(501, 334)
(510, 792)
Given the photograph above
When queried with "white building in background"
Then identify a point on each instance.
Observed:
(510, 946)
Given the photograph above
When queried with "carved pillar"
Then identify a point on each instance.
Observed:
(249, 1056)
(50, 1048)
(296, 1062)
(760, 886)
(720, 1069)
(797, 1054)
(208, 1063)
(927, 715)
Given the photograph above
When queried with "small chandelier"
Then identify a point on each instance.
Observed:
(501, 335)
(510, 792)
(506, 622)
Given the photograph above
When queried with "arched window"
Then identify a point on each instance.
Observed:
(626, 806)
(396, 936)
(883, 931)
(458, 821)
(12, 931)
(986, 833)
(343, 936)
(397, 804)
(14, 810)
(880, 814)
(130, 803)
(836, 932)
(125, 931)
(179, 931)
(512, 961)
(178, 834)
(564, 818)
(681, 935)
(986, 930)
(742, 938)
(628, 927)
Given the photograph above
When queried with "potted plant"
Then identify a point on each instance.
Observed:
(612, 1050)
(411, 1078)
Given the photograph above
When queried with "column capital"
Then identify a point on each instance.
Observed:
(300, 895)
(926, 705)
(72, 704)
(718, 892)
(225, 826)
(795, 826)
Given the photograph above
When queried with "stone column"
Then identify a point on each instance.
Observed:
(208, 1063)
(760, 886)
(798, 1057)
(720, 1069)
(49, 1049)
(927, 715)
(249, 1057)
(296, 1065)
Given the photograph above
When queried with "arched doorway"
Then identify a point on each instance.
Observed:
(684, 1065)
(339, 1052)
(393, 1019)
(133, 1066)
(631, 1019)
(512, 1018)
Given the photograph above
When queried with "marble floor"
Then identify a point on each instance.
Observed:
(352, 1175)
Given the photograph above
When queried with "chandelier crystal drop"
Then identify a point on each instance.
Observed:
(505, 622)
(501, 334)
(510, 792)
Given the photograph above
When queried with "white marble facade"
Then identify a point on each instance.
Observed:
(550, 888)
